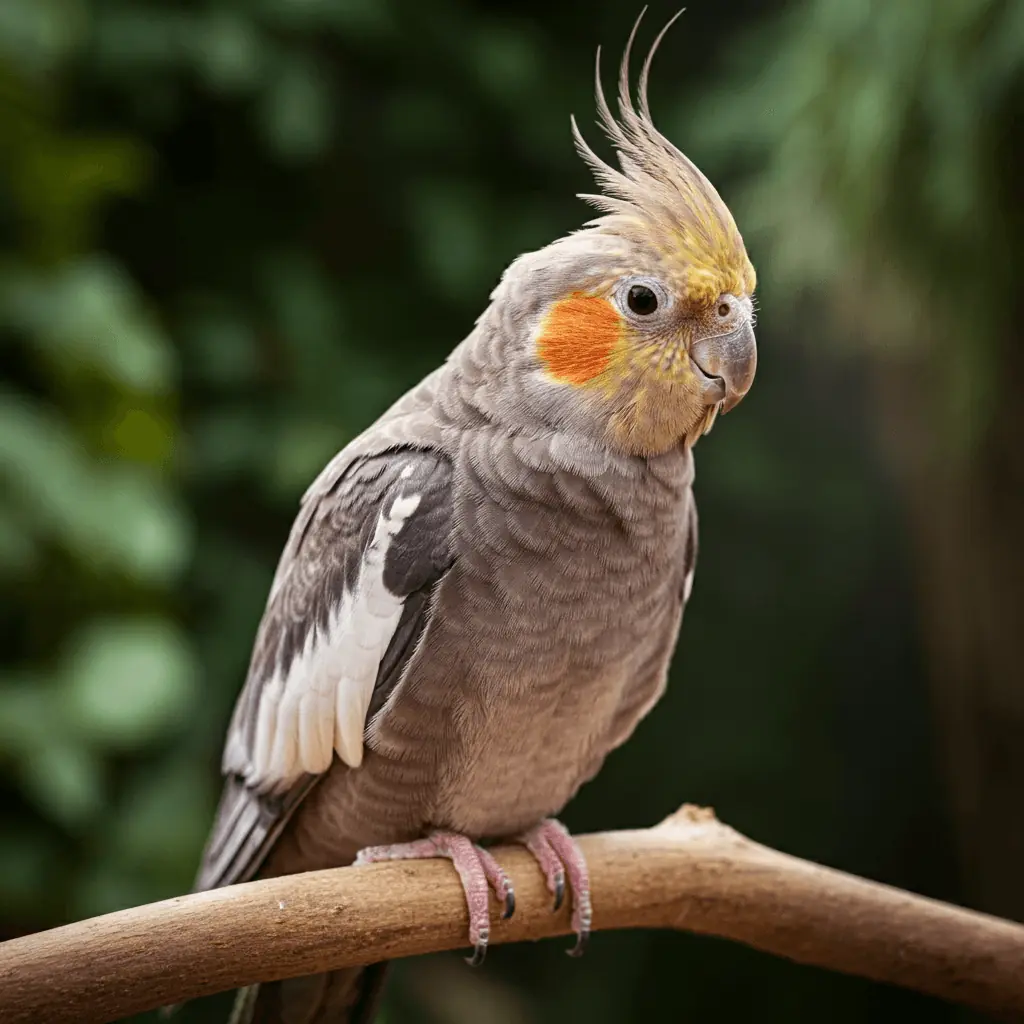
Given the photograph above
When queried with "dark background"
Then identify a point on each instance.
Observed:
(232, 231)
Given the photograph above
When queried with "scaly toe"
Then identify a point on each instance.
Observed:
(564, 867)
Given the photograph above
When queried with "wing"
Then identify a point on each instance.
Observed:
(347, 604)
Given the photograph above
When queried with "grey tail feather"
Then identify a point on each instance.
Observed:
(244, 1005)
(365, 1010)
(346, 996)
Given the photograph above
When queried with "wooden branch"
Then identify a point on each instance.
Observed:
(690, 872)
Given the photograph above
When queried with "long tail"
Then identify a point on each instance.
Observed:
(349, 996)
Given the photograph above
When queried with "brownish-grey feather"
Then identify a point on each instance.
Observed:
(319, 563)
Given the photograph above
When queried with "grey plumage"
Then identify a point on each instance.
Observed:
(481, 593)
(320, 562)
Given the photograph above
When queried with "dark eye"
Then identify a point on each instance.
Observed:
(642, 300)
(724, 309)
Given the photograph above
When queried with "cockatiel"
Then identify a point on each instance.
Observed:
(481, 593)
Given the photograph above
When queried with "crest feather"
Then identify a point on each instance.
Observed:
(658, 197)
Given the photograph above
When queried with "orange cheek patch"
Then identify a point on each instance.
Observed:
(577, 338)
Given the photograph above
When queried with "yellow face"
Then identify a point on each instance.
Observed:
(658, 337)
(654, 350)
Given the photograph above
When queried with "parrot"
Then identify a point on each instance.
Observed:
(481, 593)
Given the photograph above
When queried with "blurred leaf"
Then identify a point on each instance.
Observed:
(138, 434)
(303, 303)
(114, 515)
(105, 887)
(28, 864)
(127, 681)
(17, 546)
(507, 59)
(300, 450)
(66, 779)
(88, 314)
(163, 820)
(135, 37)
(220, 346)
(450, 224)
(227, 442)
(358, 18)
(420, 120)
(228, 51)
(297, 109)
(36, 34)
(138, 524)
(27, 708)
(61, 183)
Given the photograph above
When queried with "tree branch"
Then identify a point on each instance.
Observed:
(690, 872)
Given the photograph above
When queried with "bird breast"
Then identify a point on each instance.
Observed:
(555, 622)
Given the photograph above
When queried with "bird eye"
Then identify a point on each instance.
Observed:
(642, 300)
(724, 309)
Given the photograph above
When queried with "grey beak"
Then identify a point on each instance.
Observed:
(732, 359)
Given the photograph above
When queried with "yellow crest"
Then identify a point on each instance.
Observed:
(660, 198)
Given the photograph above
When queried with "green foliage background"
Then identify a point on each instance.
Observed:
(232, 231)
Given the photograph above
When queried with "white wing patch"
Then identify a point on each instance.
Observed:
(318, 706)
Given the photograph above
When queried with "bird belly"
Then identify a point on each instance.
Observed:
(521, 756)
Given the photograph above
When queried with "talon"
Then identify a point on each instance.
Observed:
(564, 867)
(581, 943)
(478, 873)
(479, 952)
(510, 904)
(559, 890)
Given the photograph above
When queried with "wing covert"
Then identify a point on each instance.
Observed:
(350, 596)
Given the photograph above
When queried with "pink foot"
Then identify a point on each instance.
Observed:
(558, 855)
(477, 870)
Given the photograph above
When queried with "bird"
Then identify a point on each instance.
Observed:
(481, 593)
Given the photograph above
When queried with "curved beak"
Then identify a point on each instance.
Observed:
(729, 360)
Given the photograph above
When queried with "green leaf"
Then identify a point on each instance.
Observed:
(228, 51)
(105, 887)
(27, 706)
(296, 112)
(134, 522)
(29, 863)
(17, 545)
(219, 345)
(128, 681)
(36, 34)
(164, 819)
(115, 516)
(299, 451)
(450, 223)
(65, 779)
(227, 443)
(89, 314)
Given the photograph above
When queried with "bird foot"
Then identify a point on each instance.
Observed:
(556, 852)
(477, 869)
(559, 857)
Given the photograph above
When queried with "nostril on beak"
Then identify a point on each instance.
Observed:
(732, 359)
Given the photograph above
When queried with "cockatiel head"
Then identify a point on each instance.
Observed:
(637, 329)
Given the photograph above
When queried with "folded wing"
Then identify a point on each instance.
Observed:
(349, 599)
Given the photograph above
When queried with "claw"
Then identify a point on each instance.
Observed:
(479, 951)
(582, 938)
(564, 866)
(478, 872)
(559, 890)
